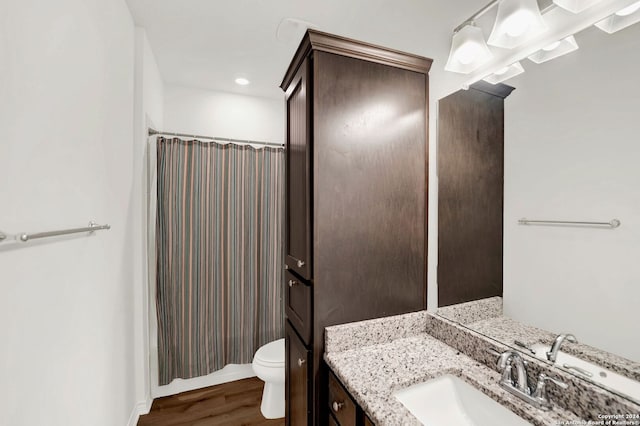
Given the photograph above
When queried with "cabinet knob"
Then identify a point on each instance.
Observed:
(292, 283)
(301, 361)
(300, 263)
(337, 406)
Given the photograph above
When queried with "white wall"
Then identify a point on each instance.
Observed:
(148, 112)
(152, 83)
(572, 152)
(227, 115)
(66, 119)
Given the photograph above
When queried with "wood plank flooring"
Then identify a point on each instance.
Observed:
(229, 404)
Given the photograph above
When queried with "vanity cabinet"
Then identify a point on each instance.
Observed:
(343, 410)
(356, 170)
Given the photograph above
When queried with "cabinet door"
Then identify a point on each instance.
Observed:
(298, 154)
(298, 305)
(297, 379)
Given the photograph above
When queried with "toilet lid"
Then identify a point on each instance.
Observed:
(271, 354)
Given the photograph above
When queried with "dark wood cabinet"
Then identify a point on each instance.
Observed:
(342, 409)
(356, 146)
(298, 305)
(340, 403)
(470, 193)
(297, 379)
(298, 217)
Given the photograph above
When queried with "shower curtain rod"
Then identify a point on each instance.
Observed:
(153, 132)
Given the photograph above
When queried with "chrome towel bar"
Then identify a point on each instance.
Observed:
(24, 237)
(613, 223)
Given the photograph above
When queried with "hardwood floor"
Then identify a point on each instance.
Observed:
(230, 404)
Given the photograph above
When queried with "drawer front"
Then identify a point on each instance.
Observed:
(340, 403)
(298, 305)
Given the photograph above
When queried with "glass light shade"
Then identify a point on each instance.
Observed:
(559, 48)
(517, 22)
(468, 50)
(576, 6)
(621, 19)
(505, 73)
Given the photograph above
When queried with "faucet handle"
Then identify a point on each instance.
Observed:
(493, 351)
(541, 388)
(556, 382)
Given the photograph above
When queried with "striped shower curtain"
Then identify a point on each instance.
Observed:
(219, 254)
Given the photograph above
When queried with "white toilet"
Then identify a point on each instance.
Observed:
(268, 364)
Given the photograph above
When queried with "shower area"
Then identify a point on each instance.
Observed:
(215, 225)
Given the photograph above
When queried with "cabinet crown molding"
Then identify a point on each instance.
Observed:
(321, 41)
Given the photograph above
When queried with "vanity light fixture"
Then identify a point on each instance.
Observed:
(621, 19)
(242, 81)
(504, 73)
(517, 22)
(554, 50)
(576, 6)
(520, 31)
(468, 50)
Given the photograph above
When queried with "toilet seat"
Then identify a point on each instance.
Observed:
(271, 355)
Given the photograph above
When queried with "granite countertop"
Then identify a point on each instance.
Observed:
(486, 316)
(395, 353)
(507, 330)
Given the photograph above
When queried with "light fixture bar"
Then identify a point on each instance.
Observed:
(477, 15)
(561, 24)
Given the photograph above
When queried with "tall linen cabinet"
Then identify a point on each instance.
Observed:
(356, 149)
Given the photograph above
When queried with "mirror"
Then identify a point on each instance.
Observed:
(572, 153)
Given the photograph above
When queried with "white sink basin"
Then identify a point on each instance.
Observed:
(599, 374)
(448, 400)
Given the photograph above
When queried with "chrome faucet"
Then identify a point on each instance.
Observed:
(509, 360)
(553, 353)
(506, 362)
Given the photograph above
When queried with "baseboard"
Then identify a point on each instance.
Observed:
(229, 373)
(140, 409)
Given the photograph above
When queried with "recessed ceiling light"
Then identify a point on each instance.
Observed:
(242, 81)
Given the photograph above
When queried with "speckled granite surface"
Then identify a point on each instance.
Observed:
(586, 400)
(507, 330)
(375, 358)
(373, 332)
(371, 374)
(470, 312)
(485, 316)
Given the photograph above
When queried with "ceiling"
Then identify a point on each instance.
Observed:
(208, 43)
